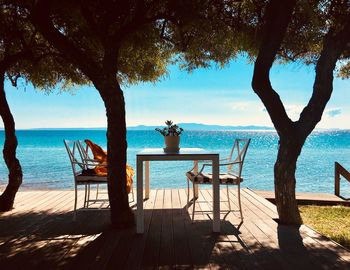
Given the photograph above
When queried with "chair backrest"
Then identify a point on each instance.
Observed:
(75, 156)
(238, 153)
(84, 153)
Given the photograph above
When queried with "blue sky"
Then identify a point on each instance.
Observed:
(210, 96)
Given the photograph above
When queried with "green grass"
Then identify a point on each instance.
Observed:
(331, 221)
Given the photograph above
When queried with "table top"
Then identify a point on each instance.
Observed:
(182, 152)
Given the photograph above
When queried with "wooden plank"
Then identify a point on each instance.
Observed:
(83, 232)
(21, 204)
(151, 252)
(53, 236)
(268, 207)
(203, 223)
(254, 238)
(42, 235)
(286, 244)
(28, 239)
(182, 256)
(197, 237)
(322, 241)
(166, 252)
(308, 198)
(306, 250)
(343, 253)
(22, 221)
(228, 244)
(135, 256)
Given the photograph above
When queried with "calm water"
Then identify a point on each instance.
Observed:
(46, 165)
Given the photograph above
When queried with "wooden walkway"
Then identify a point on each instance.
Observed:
(308, 198)
(40, 234)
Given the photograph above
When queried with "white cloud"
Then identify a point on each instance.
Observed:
(333, 112)
(246, 106)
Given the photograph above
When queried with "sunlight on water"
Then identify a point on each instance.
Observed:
(45, 161)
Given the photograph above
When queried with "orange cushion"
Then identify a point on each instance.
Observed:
(101, 156)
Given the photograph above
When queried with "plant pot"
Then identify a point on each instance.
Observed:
(171, 143)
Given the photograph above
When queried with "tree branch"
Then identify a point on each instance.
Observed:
(277, 17)
(334, 44)
(41, 18)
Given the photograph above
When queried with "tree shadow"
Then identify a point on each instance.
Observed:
(34, 239)
(51, 240)
(305, 252)
(45, 240)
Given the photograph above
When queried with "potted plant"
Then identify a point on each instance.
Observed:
(171, 135)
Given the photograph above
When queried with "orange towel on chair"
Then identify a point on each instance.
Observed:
(101, 156)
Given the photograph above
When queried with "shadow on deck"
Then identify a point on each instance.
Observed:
(46, 239)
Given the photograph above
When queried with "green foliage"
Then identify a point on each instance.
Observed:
(25, 54)
(171, 129)
(344, 70)
(218, 31)
(123, 38)
(136, 40)
(143, 56)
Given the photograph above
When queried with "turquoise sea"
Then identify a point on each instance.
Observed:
(46, 165)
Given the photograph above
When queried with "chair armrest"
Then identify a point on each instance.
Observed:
(95, 163)
(220, 164)
(89, 162)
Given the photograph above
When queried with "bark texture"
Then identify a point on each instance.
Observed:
(102, 72)
(285, 181)
(277, 18)
(121, 213)
(15, 176)
(292, 135)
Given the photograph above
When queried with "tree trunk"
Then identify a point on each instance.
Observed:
(284, 172)
(9, 152)
(277, 16)
(121, 213)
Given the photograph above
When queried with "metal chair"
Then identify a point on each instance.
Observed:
(232, 176)
(82, 172)
(88, 158)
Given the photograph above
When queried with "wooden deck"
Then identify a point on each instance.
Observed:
(308, 198)
(40, 234)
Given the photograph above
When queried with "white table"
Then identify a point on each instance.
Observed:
(158, 154)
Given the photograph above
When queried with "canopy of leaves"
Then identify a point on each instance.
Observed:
(123, 36)
(149, 34)
(25, 54)
(219, 30)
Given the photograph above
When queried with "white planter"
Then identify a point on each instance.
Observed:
(172, 143)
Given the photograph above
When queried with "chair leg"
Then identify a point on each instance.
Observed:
(88, 197)
(97, 191)
(85, 195)
(239, 201)
(228, 198)
(194, 202)
(188, 194)
(75, 203)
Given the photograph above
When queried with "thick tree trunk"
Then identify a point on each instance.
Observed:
(9, 152)
(121, 213)
(277, 17)
(285, 181)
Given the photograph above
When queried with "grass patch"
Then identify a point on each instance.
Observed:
(331, 221)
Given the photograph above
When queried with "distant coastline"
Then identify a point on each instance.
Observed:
(186, 126)
(205, 127)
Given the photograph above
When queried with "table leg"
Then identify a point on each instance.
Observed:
(139, 210)
(195, 170)
(216, 195)
(146, 179)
